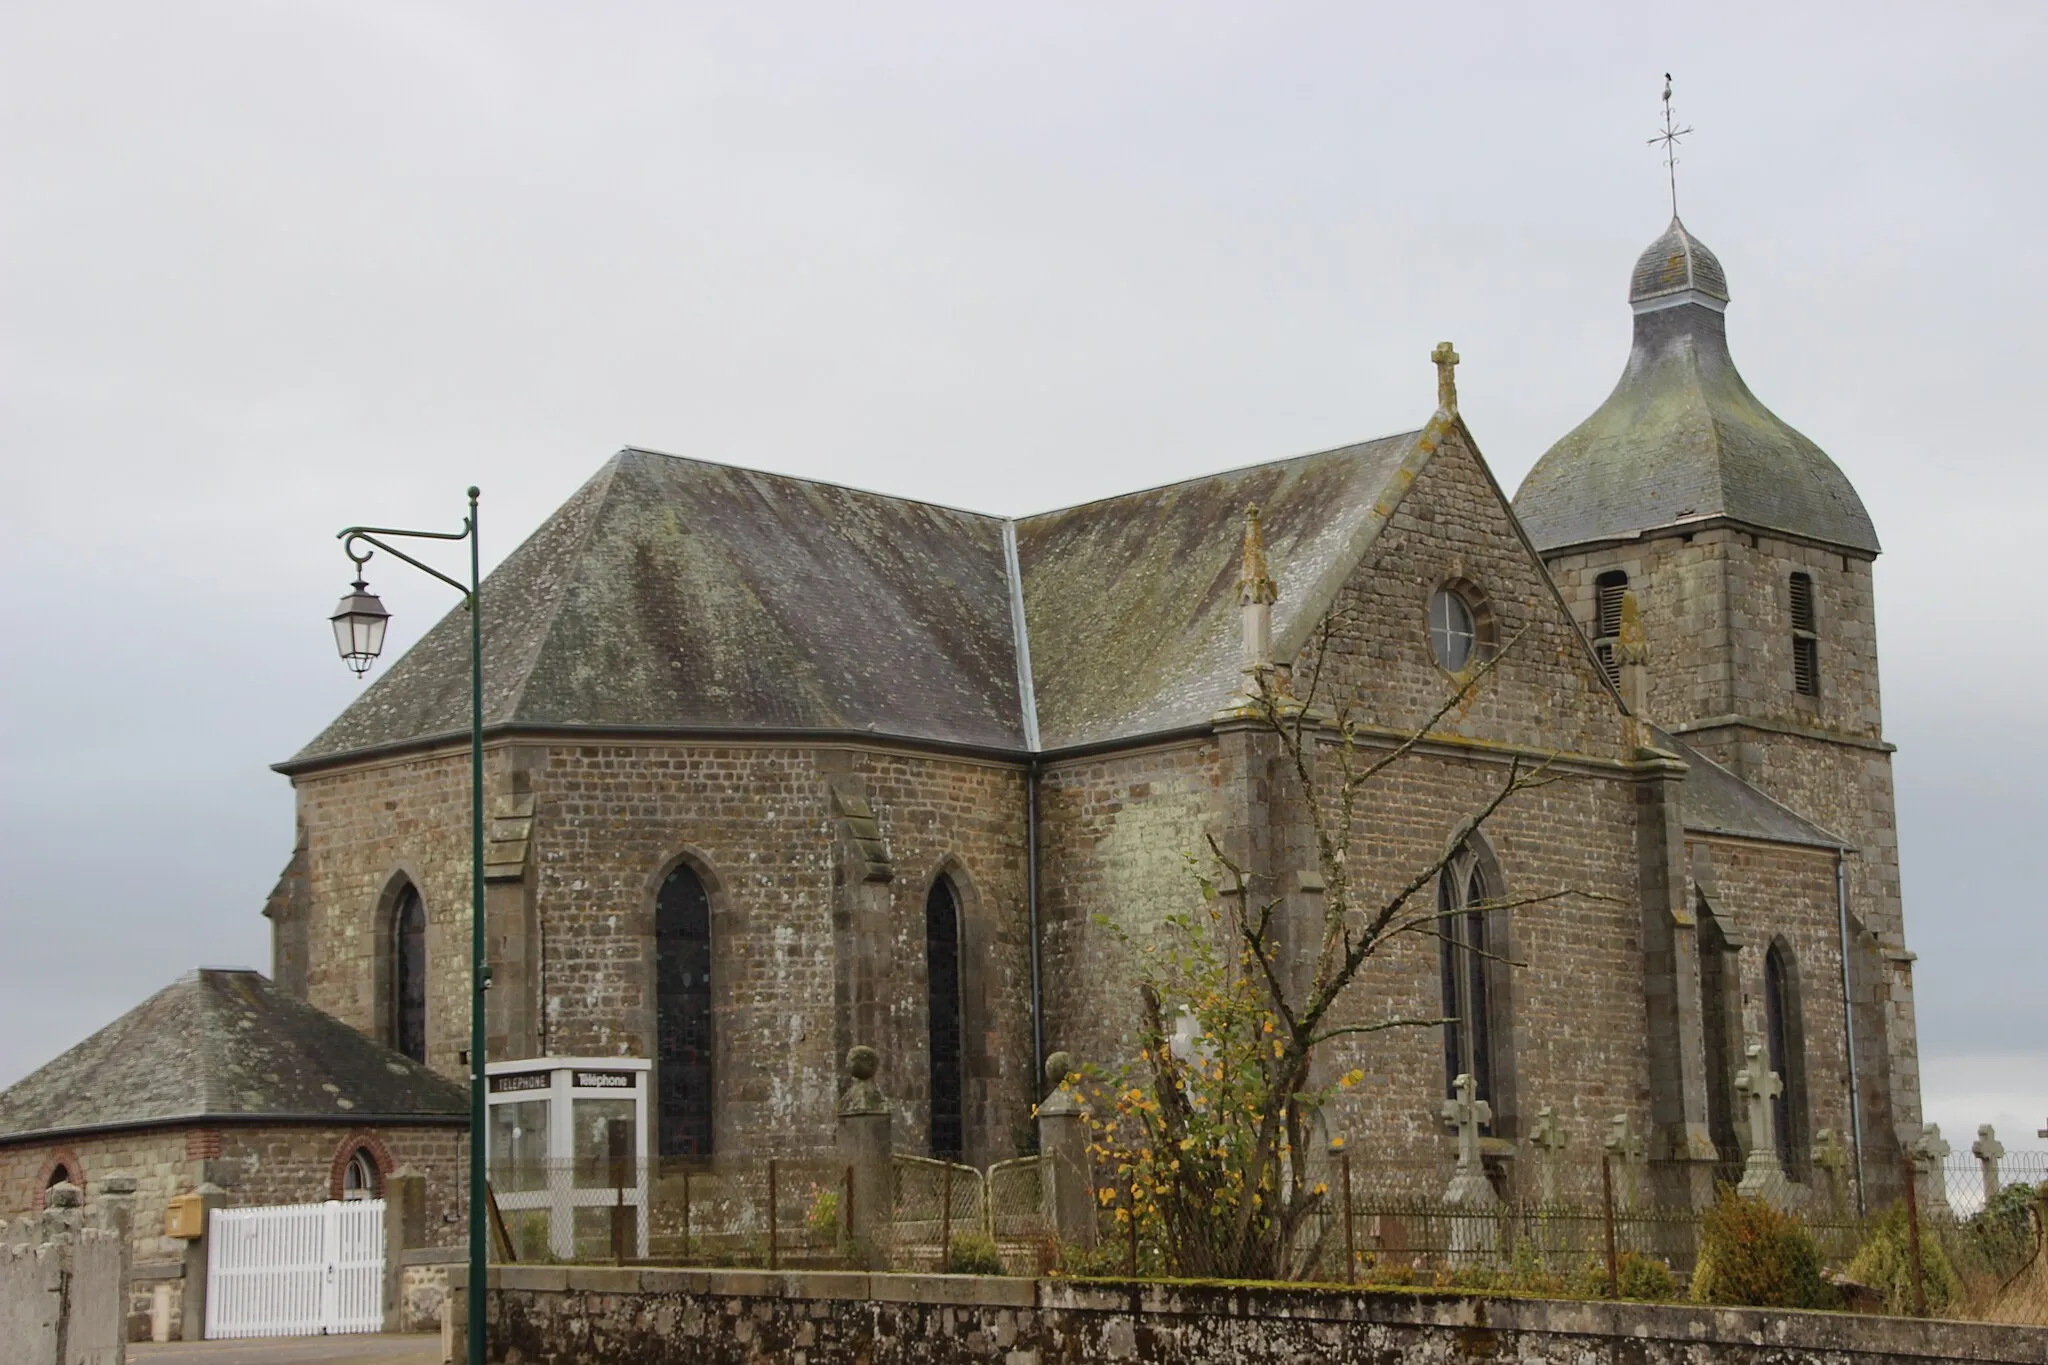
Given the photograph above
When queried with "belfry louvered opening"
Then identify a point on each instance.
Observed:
(1805, 639)
(1607, 593)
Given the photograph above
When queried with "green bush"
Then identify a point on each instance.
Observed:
(2000, 1239)
(1753, 1254)
(973, 1254)
(821, 1219)
(1885, 1263)
(1640, 1277)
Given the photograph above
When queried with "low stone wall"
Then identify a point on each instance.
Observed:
(564, 1315)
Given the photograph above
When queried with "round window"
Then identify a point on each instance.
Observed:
(1452, 631)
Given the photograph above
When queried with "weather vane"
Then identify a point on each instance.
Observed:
(1669, 137)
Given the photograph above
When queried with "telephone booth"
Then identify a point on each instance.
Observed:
(567, 1143)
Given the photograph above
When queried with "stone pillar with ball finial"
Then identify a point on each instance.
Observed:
(867, 1149)
(1067, 1175)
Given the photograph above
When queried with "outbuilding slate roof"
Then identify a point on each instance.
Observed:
(221, 1044)
(677, 594)
(1682, 439)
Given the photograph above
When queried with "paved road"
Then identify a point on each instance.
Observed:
(349, 1350)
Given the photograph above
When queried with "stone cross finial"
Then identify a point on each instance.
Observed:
(1446, 361)
(1988, 1149)
(1549, 1139)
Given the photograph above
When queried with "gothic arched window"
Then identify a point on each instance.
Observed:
(942, 999)
(684, 1036)
(409, 974)
(1785, 1049)
(1466, 954)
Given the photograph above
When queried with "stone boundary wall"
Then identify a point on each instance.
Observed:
(61, 1300)
(559, 1315)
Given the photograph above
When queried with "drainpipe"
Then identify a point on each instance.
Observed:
(1027, 697)
(1848, 1029)
(1031, 907)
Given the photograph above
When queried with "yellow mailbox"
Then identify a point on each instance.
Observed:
(185, 1216)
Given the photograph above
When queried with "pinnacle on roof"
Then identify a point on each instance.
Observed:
(1682, 440)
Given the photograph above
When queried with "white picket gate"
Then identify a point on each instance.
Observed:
(296, 1270)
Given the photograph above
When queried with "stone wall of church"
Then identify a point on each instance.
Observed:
(1571, 1018)
(1453, 529)
(758, 824)
(1117, 831)
(368, 829)
(1762, 893)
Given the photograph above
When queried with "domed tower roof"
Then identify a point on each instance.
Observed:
(1682, 439)
(1676, 263)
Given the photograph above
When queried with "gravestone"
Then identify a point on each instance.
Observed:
(1549, 1140)
(1625, 1152)
(1473, 1235)
(1929, 1151)
(1833, 1160)
(1988, 1149)
(1763, 1177)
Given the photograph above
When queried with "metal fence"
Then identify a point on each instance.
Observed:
(1548, 1226)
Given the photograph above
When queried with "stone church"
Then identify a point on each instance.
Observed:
(776, 767)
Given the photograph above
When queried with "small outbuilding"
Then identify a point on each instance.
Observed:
(222, 1080)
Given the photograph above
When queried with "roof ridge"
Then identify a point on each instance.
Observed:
(808, 479)
(1219, 474)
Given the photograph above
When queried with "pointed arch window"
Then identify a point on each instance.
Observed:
(685, 1038)
(942, 999)
(1785, 1049)
(409, 974)
(1466, 954)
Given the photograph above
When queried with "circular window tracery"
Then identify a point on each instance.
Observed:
(1453, 630)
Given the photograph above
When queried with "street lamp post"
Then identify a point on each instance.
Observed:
(359, 634)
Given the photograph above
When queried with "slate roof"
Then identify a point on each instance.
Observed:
(1681, 438)
(1675, 263)
(1716, 801)
(220, 1044)
(672, 594)
(1168, 558)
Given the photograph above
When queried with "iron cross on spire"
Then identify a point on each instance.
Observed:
(1669, 137)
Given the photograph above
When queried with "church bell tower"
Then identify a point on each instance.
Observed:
(1746, 556)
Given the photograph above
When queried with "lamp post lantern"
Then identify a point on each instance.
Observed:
(359, 623)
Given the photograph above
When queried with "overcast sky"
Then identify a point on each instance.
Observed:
(271, 268)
